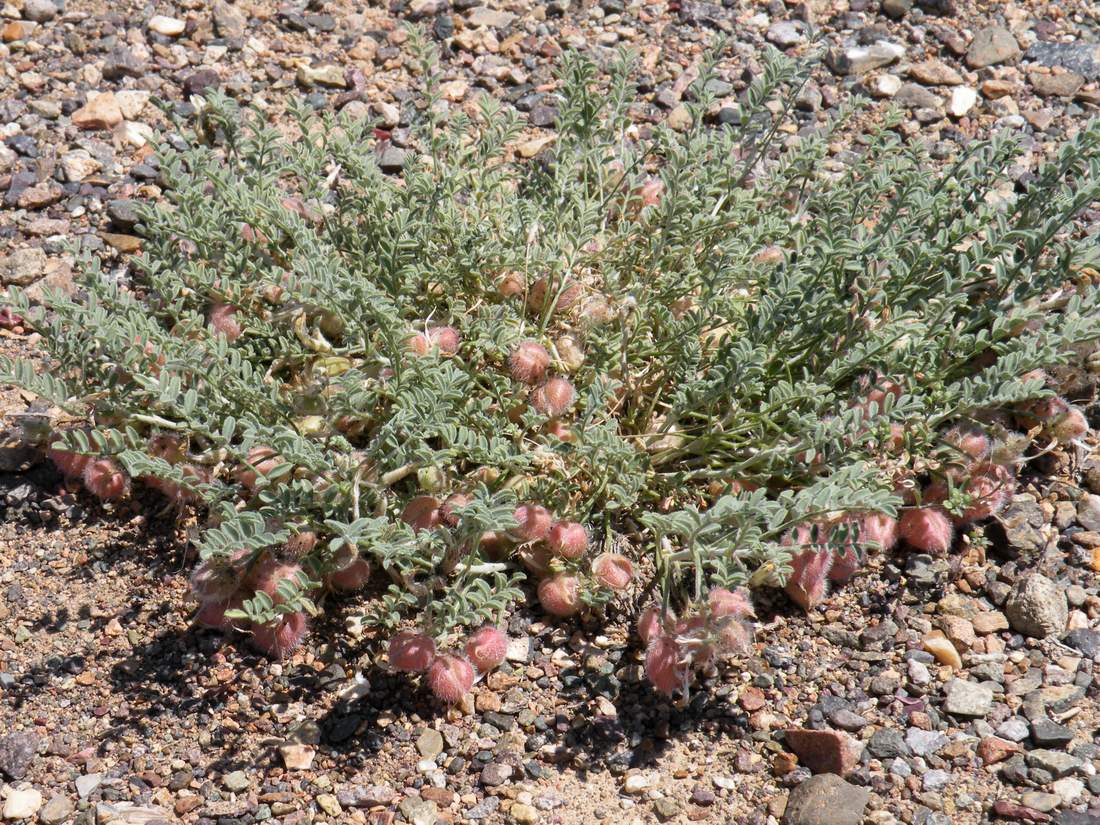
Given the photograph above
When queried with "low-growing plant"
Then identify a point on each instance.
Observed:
(644, 359)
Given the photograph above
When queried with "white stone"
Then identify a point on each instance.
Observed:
(636, 783)
(1069, 789)
(131, 102)
(79, 164)
(885, 85)
(168, 26)
(134, 133)
(22, 803)
(962, 101)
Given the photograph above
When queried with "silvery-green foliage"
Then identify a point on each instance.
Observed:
(742, 315)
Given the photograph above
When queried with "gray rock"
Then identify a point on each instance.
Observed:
(56, 811)
(826, 799)
(1076, 818)
(924, 742)
(17, 751)
(419, 811)
(847, 720)
(485, 16)
(236, 781)
(1037, 607)
(121, 62)
(1088, 512)
(915, 96)
(1082, 58)
(87, 783)
(1023, 520)
(1014, 729)
(887, 743)
(896, 9)
(392, 160)
(123, 214)
(1056, 763)
(935, 780)
(39, 11)
(991, 46)
(784, 34)
(430, 744)
(1084, 639)
(859, 60)
(484, 809)
(23, 267)
(964, 698)
(228, 20)
(1039, 801)
(495, 773)
(1048, 733)
(365, 796)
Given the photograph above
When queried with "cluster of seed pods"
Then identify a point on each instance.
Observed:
(105, 478)
(925, 524)
(221, 585)
(676, 647)
(450, 675)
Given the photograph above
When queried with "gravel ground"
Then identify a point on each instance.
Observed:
(958, 690)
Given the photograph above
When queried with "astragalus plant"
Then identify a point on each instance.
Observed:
(698, 360)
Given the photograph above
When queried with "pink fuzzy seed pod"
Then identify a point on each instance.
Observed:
(223, 318)
(651, 623)
(882, 388)
(411, 652)
(418, 344)
(353, 577)
(422, 513)
(214, 581)
(71, 465)
(267, 575)
(560, 595)
(880, 529)
(528, 362)
(567, 539)
(1068, 427)
(734, 636)
(969, 440)
(989, 486)
(278, 638)
(445, 339)
(613, 571)
(736, 603)
(450, 505)
(662, 665)
(263, 461)
(106, 480)
(845, 565)
(808, 583)
(561, 431)
(511, 284)
(927, 528)
(534, 524)
(450, 677)
(167, 447)
(554, 398)
(545, 290)
(212, 615)
(650, 192)
(301, 544)
(487, 648)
